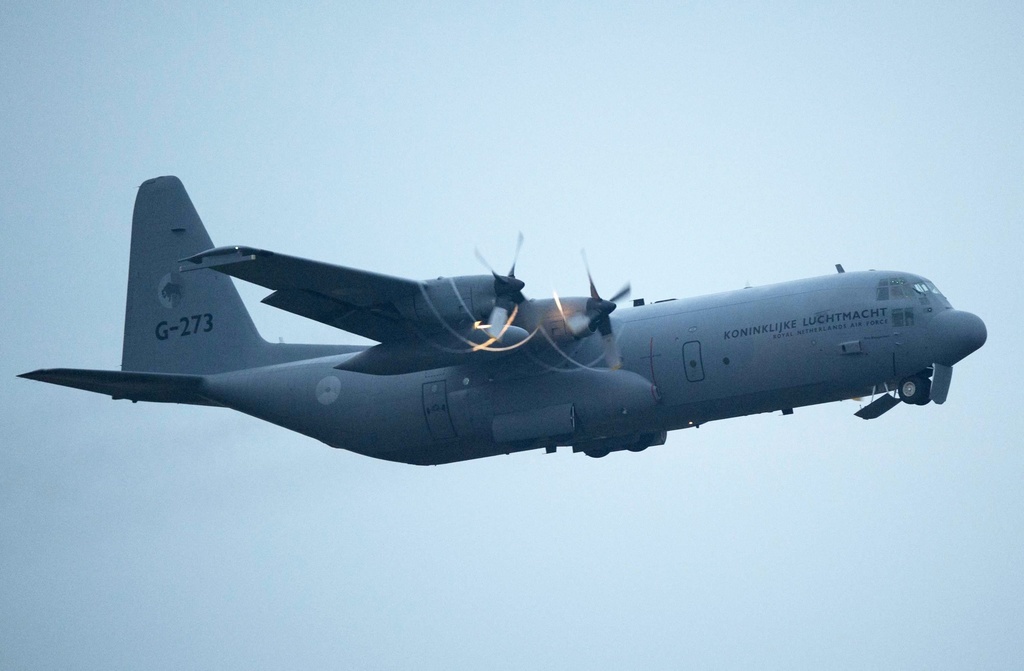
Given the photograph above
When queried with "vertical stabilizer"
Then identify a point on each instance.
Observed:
(176, 322)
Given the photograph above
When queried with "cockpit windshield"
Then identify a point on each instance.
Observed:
(894, 288)
(925, 288)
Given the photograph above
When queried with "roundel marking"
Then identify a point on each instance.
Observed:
(169, 291)
(328, 389)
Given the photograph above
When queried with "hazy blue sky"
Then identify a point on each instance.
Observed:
(691, 148)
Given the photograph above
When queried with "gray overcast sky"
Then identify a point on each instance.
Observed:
(690, 149)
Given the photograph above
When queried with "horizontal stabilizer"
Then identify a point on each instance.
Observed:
(154, 387)
(878, 407)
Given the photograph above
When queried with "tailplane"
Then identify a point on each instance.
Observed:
(153, 387)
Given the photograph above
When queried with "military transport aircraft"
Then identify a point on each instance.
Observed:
(468, 367)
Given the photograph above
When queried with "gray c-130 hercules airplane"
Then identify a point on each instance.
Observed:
(468, 367)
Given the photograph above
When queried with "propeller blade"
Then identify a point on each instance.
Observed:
(593, 289)
(602, 323)
(481, 259)
(496, 322)
(558, 304)
(515, 257)
(623, 293)
(612, 355)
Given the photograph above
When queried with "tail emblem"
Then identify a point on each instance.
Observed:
(169, 292)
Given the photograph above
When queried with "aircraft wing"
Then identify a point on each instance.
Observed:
(360, 302)
(357, 301)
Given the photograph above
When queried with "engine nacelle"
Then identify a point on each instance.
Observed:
(455, 301)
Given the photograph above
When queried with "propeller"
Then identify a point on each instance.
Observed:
(508, 294)
(596, 317)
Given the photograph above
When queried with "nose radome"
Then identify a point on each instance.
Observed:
(961, 333)
(973, 333)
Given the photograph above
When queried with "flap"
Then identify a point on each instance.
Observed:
(382, 323)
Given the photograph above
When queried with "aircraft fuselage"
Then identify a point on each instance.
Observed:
(685, 362)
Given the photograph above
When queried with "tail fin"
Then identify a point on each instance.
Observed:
(176, 322)
(178, 327)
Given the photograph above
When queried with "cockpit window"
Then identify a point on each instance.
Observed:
(894, 288)
(926, 287)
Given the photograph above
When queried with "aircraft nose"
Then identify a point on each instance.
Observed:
(959, 334)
